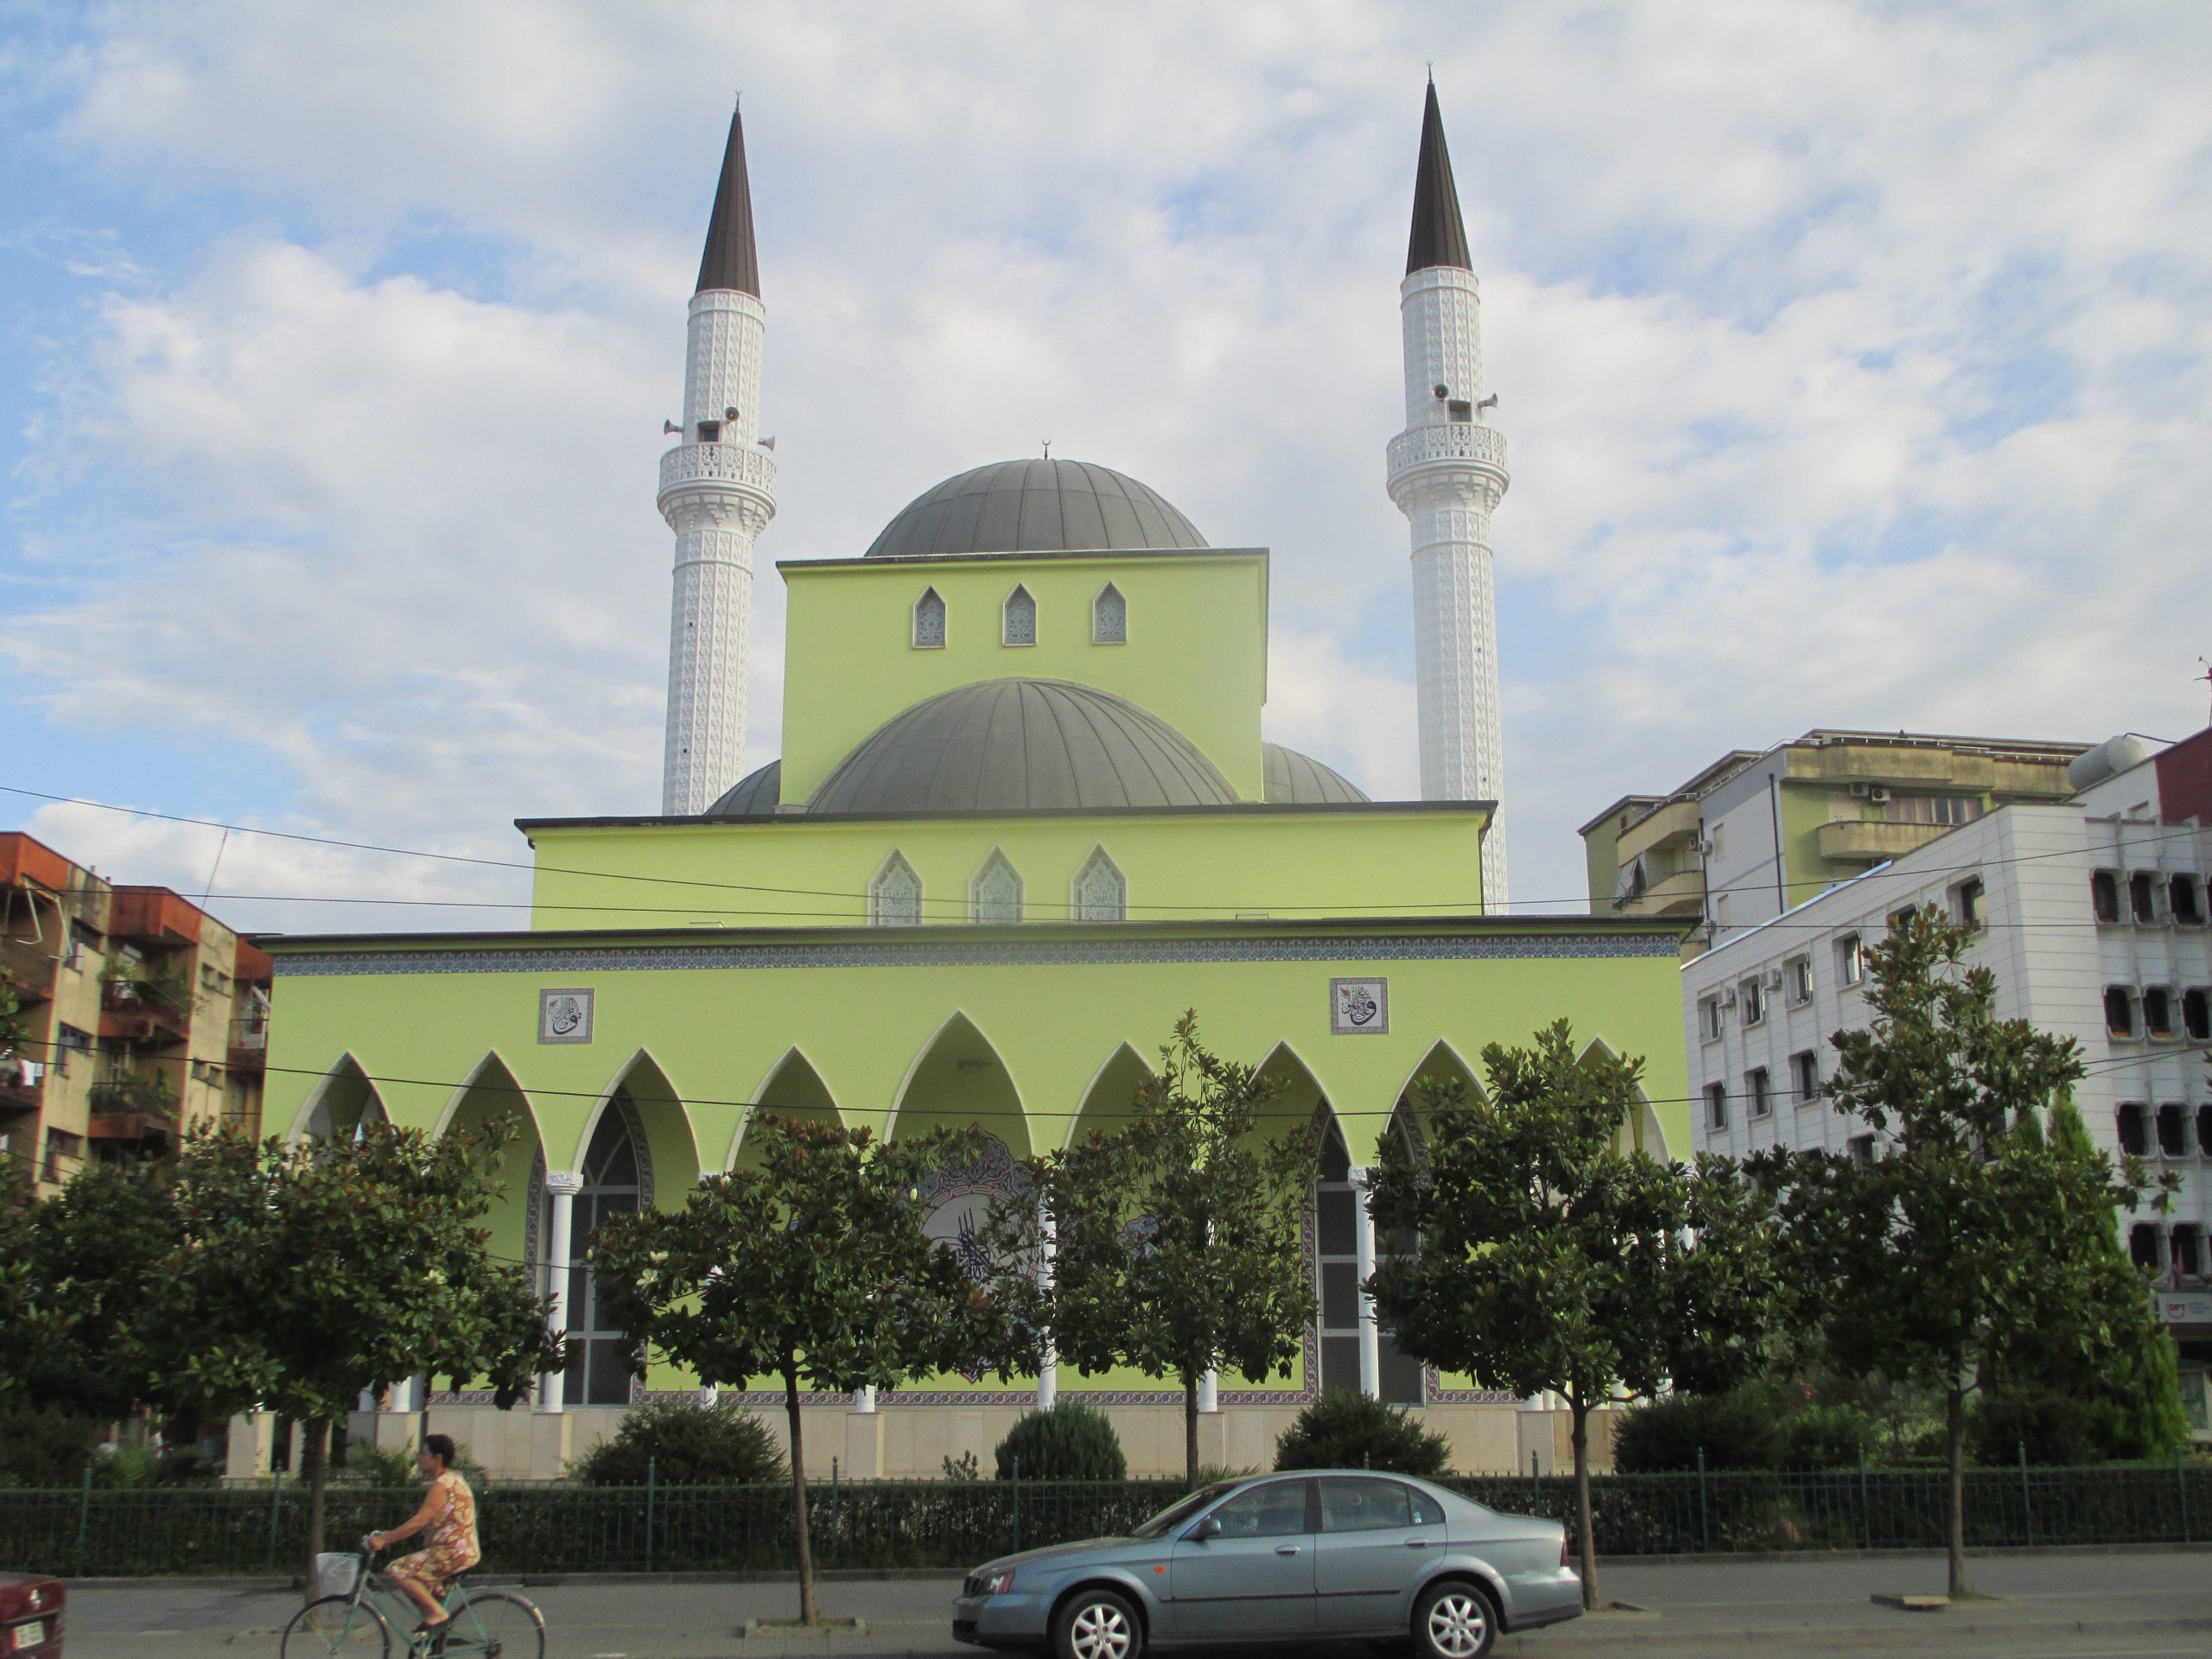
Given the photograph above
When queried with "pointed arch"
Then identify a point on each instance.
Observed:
(929, 621)
(1438, 1071)
(1642, 1132)
(1110, 617)
(1300, 1102)
(895, 894)
(958, 1078)
(1018, 617)
(489, 1091)
(994, 893)
(1109, 1099)
(672, 1151)
(1099, 892)
(342, 1100)
(793, 1087)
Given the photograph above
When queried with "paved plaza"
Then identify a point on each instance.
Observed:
(2089, 1604)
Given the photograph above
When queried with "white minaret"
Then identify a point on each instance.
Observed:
(718, 493)
(1448, 473)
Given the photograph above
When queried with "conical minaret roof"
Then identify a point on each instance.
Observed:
(1439, 237)
(731, 260)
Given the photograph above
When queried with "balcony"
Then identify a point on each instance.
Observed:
(146, 1011)
(131, 1108)
(28, 967)
(717, 465)
(1452, 443)
(249, 1047)
(1662, 828)
(1870, 841)
(22, 1087)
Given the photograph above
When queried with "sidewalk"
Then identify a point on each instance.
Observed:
(2154, 1605)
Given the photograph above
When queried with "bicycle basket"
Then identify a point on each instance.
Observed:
(336, 1575)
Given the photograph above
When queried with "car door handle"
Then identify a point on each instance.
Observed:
(1416, 1543)
(1286, 1549)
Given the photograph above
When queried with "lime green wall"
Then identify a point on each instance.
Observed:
(1272, 861)
(1196, 656)
(1804, 810)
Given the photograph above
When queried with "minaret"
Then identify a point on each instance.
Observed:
(1448, 473)
(717, 492)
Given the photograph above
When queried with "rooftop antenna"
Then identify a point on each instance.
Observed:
(2206, 676)
(1048, 448)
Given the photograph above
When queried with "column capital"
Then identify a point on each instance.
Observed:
(563, 1182)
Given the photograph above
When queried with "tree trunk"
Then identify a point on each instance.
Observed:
(314, 1464)
(807, 1613)
(1586, 1534)
(1191, 1432)
(1955, 1414)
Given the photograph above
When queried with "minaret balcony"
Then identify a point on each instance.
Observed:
(1447, 444)
(718, 465)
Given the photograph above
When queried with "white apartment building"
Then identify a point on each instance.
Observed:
(2093, 914)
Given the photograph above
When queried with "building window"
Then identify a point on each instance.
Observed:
(710, 431)
(2120, 1011)
(1901, 918)
(1966, 904)
(2185, 899)
(2104, 894)
(1716, 1106)
(1018, 624)
(995, 893)
(1945, 810)
(1861, 1149)
(2188, 1250)
(894, 898)
(2204, 1130)
(1751, 993)
(2134, 1137)
(1100, 894)
(928, 620)
(71, 1041)
(1460, 408)
(2195, 1015)
(1797, 979)
(60, 1146)
(1336, 1238)
(2173, 1132)
(1850, 960)
(1110, 617)
(1708, 1019)
(2143, 896)
(1805, 1074)
(1762, 1100)
(2143, 1245)
(615, 1179)
(2157, 1011)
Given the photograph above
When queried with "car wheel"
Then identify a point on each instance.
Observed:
(1456, 1620)
(1098, 1625)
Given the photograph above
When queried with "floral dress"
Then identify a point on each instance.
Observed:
(450, 1542)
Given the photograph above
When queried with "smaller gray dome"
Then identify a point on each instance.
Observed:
(1296, 779)
(1035, 506)
(1019, 744)
(753, 795)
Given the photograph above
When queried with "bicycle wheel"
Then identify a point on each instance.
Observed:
(496, 1625)
(336, 1625)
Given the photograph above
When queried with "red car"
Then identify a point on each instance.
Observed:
(31, 1617)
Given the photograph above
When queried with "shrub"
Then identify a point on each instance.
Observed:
(1073, 1441)
(1737, 1430)
(1344, 1430)
(2056, 1428)
(46, 1448)
(684, 1445)
(1824, 1437)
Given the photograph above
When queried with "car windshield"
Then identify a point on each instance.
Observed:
(1179, 1511)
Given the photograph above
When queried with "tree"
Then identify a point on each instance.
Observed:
(1962, 1241)
(1175, 1243)
(1544, 1249)
(95, 1255)
(813, 1268)
(310, 1272)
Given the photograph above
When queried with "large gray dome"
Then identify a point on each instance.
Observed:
(1021, 745)
(1035, 506)
(1296, 779)
(753, 795)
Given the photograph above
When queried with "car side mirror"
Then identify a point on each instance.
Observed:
(1209, 1528)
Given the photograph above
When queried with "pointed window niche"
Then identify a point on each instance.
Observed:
(1018, 625)
(894, 898)
(1100, 893)
(1110, 617)
(995, 893)
(928, 620)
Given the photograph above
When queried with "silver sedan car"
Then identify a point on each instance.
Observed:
(1323, 1555)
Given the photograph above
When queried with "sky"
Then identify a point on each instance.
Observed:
(1856, 362)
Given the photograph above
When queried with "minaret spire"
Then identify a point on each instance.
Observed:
(1447, 474)
(718, 493)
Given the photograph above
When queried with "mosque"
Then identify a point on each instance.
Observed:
(1024, 816)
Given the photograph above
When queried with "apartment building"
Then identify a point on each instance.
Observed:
(1754, 834)
(2093, 914)
(143, 1016)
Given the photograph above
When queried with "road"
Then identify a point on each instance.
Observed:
(2056, 1604)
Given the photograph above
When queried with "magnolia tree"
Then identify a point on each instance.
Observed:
(1175, 1243)
(810, 1267)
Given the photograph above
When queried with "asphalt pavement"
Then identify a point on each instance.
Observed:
(2047, 1604)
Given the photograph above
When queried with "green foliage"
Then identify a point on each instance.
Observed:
(963, 1470)
(1815, 1436)
(684, 1444)
(1177, 1241)
(2057, 1429)
(1345, 1429)
(1073, 1441)
(1738, 1429)
(368, 1464)
(46, 1446)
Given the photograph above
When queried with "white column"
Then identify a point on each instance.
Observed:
(1371, 1334)
(864, 1399)
(562, 1185)
(1209, 1391)
(1048, 1363)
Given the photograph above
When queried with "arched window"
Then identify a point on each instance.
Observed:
(1336, 1236)
(894, 898)
(1110, 617)
(995, 893)
(1019, 627)
(1100, 893)
(929, 621)
(618, 1178)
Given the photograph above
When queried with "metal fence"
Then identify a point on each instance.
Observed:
(92, 1531)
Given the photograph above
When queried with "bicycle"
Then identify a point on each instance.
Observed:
(483, 1623)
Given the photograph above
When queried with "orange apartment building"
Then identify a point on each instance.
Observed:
(143, 1015)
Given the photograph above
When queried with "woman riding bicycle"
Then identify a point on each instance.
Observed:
(449, 1515)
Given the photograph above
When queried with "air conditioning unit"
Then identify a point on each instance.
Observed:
(1876, 792)
(1728, 999)
(1860, 788)
(1774, 979)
